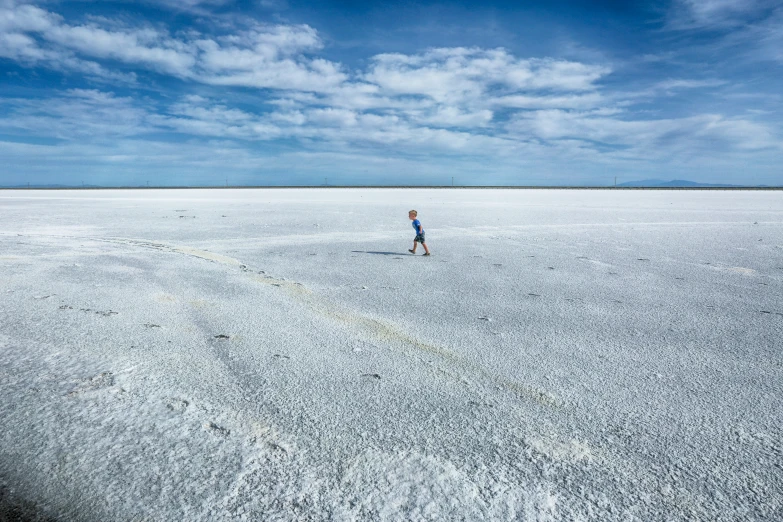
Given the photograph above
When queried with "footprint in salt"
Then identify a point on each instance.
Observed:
(216, 430)
(97, 382)
(176, 404)
(482, 405)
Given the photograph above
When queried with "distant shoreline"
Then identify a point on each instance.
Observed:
(461, 187)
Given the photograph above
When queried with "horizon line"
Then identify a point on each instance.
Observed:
(458, 187)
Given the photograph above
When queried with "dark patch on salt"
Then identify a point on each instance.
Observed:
(15, 508)
(217, 430)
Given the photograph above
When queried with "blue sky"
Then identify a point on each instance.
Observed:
(191, 92)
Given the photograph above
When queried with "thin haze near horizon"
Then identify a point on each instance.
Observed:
(276, 92)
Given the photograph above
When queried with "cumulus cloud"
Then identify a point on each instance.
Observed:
(281, 57)
(267, 56)
(463, 102)
(16, 44)
(459, 73)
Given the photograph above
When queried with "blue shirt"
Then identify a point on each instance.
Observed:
(416, 224)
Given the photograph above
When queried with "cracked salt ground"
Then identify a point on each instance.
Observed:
(657, 409)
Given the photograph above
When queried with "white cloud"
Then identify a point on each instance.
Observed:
(78, 114)
(562, 75)
(253, 67)
(460, 74)
(751, 29)
(648, 138)
(16, 45)
(453, 84)
(447, 102)
(449, 116)
(568, 101)
(25, 18)
(672, 84)
(20, 47)
(716, 14)
(268, 56)
(769, 36)
(35, 35)
(138, 46)
(256, 49)
(332, 117)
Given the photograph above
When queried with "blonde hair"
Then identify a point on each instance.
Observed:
(413, 212)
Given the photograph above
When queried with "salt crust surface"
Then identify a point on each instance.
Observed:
(278, 355)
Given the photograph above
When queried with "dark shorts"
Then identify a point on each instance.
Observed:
(419, 238)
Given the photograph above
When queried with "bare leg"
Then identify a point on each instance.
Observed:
(426, 250)
(413, 250)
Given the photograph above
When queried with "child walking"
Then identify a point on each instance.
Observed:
(419, 233)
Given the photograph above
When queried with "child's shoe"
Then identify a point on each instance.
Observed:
(411, 251)
(426, 254)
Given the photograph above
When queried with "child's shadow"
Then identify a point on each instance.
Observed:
(379, 253)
